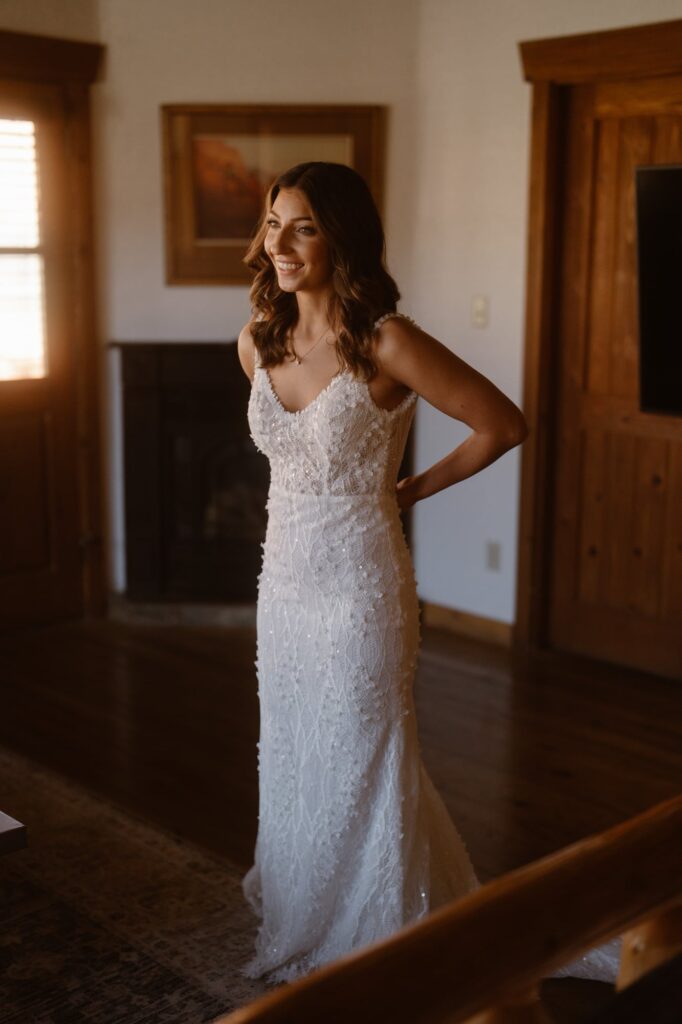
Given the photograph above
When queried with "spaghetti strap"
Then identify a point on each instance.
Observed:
(387, 316)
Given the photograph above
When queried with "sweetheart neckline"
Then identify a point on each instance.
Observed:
(337, 376)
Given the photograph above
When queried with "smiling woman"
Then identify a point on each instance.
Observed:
(354, 841)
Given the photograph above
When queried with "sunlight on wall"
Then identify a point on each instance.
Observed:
(22, 308)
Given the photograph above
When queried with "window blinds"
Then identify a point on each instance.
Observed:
(22, 312)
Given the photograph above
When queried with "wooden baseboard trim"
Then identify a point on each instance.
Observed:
(477, 626)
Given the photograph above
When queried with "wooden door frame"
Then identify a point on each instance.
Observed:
(553, 66)
(72, 66)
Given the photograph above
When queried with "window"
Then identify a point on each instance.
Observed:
(22, 306)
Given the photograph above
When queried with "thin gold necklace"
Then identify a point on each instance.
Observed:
(300, 359)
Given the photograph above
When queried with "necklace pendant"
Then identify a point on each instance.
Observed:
(298, 360)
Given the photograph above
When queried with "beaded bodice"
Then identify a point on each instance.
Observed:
(341, 443)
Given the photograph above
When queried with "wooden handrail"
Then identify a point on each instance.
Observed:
(489, 948)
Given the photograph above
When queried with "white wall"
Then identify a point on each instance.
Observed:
(456, 195)
(469, 217)
(71, 19)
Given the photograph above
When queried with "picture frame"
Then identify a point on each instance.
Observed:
(220, 159)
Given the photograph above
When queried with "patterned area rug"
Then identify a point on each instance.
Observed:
(105, 918)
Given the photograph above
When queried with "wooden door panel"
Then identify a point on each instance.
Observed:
(672, 556)
(593, 525)
(598, 369)
(634, 149)
(24, 466)
(619, 482)
(616, 560)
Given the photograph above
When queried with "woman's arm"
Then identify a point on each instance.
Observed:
(411, 356)
(246, 350)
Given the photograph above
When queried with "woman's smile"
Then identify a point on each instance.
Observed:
(288, 267)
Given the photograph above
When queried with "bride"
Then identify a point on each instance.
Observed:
(354, 842)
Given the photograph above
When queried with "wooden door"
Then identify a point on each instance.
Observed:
(41, 575)
(616, 524)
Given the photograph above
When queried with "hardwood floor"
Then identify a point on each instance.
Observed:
(528, 755)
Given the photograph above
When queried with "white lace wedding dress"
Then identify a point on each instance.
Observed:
(354, 842)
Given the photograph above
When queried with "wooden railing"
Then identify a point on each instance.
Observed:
(480, 959)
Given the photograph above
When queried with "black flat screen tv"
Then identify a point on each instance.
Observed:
(659, 286)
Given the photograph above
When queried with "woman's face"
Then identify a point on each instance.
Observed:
(294, 244)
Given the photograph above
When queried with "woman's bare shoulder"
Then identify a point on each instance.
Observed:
(397, 339)
(246, 350)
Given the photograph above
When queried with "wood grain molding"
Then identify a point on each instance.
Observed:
(643, 97)
(639, 51)
(541, 285)
(465, 624)
(48, 59)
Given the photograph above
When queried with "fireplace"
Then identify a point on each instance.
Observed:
(195, 483)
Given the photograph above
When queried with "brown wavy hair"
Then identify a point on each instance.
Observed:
(346, 216)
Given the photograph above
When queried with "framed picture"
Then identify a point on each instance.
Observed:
(219, 162)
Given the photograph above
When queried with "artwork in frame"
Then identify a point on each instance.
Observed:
(219, 162)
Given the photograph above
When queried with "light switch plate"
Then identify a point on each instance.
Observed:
(480, 311)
